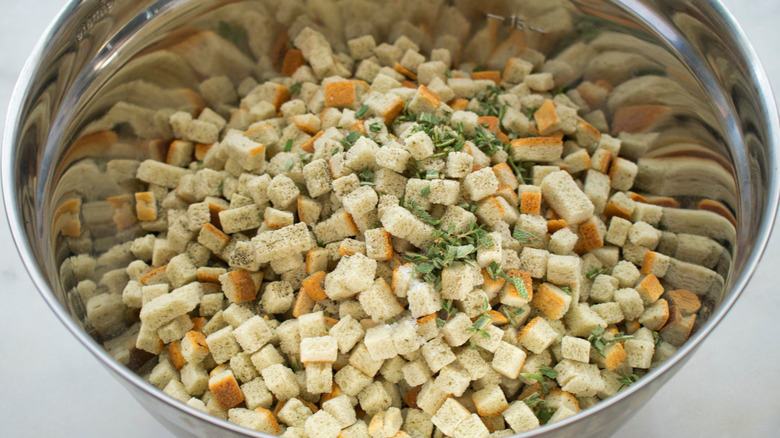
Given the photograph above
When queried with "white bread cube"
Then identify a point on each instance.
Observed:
(278, 297)
(342, 410)
(564, 270)
(256, 395)
(405, 337)
(281, 381)
(312, 325)
(419, 145)
(472, 427)
(319, 378)
(282, 191)
(224, 387)
(379, 342)
(630, 303)
(575, 349)
(236, 314)
(374, 398)
(423, 299)
(617, 234)
(322, 424)
(416, 372)
(430, 398)
(222, 345)
(622, 173)
(319, 349)
(508, 360)
(194, 348)
(562, 242)
(491, 341)
(361, 48)
(437, 354)
(347, 332)
(457, 217)
(480, 184)
(165, 308)
(453, 379)
(597, 188)
(534, 261)
(351, 381)
(561, 192)
(603, 288)
(639, 353)
(393, 158)
(580, 320)
(459, 164)
(361, 359)
(457, 281)
(537, 335)
(626, 273)
(294, 413)
(487, 255)
(580, 379)
(611, 313)
(647, 213)
(473, 362)
(644, 234)
(449, 415)
(379, 302)
(520, 417)
(175, 329)
(317, 177)
(242, 367)
(490, 402)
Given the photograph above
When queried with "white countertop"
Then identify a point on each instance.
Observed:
(53, 387)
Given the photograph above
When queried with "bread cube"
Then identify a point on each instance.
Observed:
(379, 342)
(537, 335)
(565, 197)
(281, 381)
(322, 424)
(490, 402)
(552, 300)
(471, 427)
(341, 409)
(379, 301)
(480, 184)
(278, 297)
(520, 417)
(225, 389)
(347, 333)
(508, 360)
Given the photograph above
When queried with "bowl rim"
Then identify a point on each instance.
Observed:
(766, 104)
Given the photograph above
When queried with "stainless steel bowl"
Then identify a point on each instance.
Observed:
(716, 139)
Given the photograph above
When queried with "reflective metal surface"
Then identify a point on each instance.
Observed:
(102, 81)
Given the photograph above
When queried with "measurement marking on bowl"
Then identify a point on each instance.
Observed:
(89, 23)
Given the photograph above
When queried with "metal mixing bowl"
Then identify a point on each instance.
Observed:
(716, 138)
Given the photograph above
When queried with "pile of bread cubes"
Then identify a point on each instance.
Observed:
(287, 282)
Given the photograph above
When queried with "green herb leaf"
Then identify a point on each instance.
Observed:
(534, 376)
(599, 342)
(548, 371)
(295, 88)
(375, 127)
(448, 73)
(425, 192)
(527, 239)
(627, 380)
(288, 146)
(519, 285)
(362, 111)
(424, 268)
(422, 214)
(566, 289)
(350, 139)
(494, 270)
(593, 273)
(440, 322)
(289, 165)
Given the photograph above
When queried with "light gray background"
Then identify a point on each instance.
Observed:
(51, 386)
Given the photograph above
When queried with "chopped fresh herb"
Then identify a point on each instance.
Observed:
(593, 273)
(440, 322)
(494, 270)
(538, 377)
(519, 285)
(289, 165)
(288, 146)
(560, 90)
(485, 305)
(421, 213)
(539, 407)
(487, 142)
(508, 314)
(566, 289)
(548, 371)
(447, 305)
(599, 342)
(350, 139)
(478, 69)
(530, 112)
(448, 246)
(390, 321)
(221, 187)
(366, 177)
(200, 162)
(295, 88)
(448, 73)
(527, 239)
(295, 366)
(375, 127)
(235, 35)
(362, 111)
(657, 337)
(470, 206)
(335, 151)
(489, 102)
(522, 170)
(425, 192)
(627, 380)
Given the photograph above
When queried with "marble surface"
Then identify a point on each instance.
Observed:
(53, 387)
